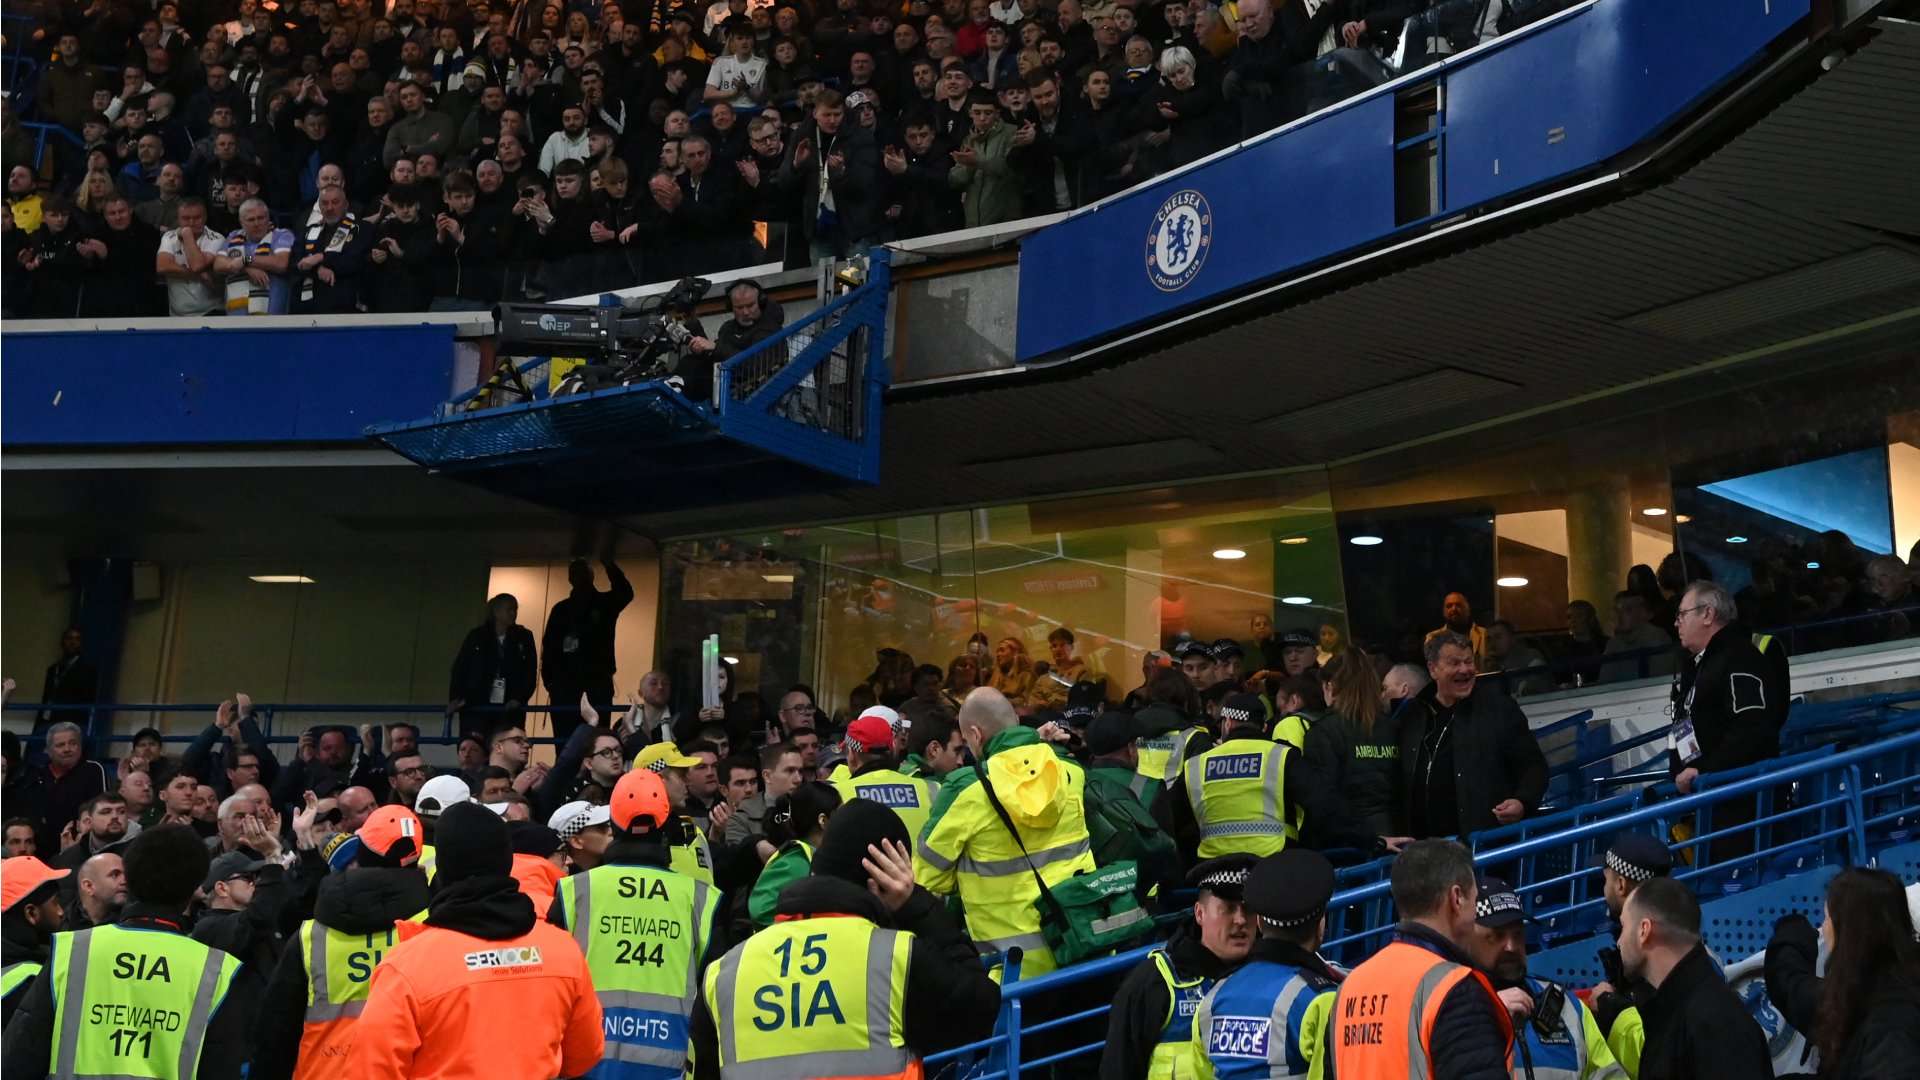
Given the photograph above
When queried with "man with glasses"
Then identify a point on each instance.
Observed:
(244, 895)
(1725, 714)
(405, 773)
(796, 710)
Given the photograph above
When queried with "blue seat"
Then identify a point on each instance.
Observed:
(1738, 925)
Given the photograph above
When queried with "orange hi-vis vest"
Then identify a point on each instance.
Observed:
(1382, 1020)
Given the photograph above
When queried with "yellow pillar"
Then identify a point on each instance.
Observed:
(1599, 543)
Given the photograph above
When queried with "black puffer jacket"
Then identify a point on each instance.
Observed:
(1886, 1041)
(360, 901)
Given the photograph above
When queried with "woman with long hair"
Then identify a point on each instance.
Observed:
(1587, 641)
(963, 676)
(1864, 1015)
(796, 823)
(1351, 689)
(1011, 672)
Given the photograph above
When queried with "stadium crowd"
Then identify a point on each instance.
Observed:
(635, 907)
(249, 157)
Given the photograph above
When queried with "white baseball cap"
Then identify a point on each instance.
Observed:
(891, 716)
(439, 793)
(577, 815)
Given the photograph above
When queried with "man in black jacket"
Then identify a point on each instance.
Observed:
(920, 202)
(756, 317)
(496, 662)
(949, 999)
(576, 651)
(1725, 712)
(1201, 951)
(1468, 760)
(1696, 1025)
(71, 680)
(245, 896)
(836, 168)
(1728, 706)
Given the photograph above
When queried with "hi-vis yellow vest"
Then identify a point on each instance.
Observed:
(907, 797)
(819, 998)
(133, 1003)
(1160, 759)
(644, 933)
(1238, 794)
(339, 972)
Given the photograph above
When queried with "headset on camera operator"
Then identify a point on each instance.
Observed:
(755, 317)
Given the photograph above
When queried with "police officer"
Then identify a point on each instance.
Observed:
(871, 774)
(1196, 662)
(1630, 861)
(314, 996)
(1264, 1020)
(646, 933)
(1250, 794)
(30, 914)
(1555, 1037)
(1418, 1007)
(1227, 656)
(137, 998)
(1149, 1031)
(862, 974)
(692, 854)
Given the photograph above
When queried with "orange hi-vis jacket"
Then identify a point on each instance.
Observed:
(449, 1006)
(1382, 1019)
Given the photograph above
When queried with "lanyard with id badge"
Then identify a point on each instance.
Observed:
(1681, 738)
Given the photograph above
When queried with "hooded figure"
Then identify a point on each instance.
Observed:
(861, 887)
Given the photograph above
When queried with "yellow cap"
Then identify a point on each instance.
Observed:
(663, 755)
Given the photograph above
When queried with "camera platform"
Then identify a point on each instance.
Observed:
(798, 412)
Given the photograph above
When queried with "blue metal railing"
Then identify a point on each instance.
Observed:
(1853, 793)
(813, 391)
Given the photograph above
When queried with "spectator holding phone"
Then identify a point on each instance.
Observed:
(400, 258)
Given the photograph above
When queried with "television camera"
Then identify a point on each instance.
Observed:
(638, 341)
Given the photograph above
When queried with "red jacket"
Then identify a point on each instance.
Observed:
(449, 1006)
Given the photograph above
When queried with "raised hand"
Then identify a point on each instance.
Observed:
(889, 873)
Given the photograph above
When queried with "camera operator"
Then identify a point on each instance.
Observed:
(756, 317)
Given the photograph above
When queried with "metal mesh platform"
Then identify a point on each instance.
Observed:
(797, 412)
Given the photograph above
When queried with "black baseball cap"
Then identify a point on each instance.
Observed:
(1499, 905)
(1109, 732)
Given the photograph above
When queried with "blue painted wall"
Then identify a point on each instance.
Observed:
(1540, 105)
(219, 386)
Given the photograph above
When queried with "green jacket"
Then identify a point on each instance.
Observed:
(992, 187)
(916, 766)
(788, 865)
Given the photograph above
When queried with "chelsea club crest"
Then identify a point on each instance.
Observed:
(1178, 240)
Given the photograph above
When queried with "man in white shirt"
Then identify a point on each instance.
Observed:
(191, 258)
(567, 144)
(739, 77)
